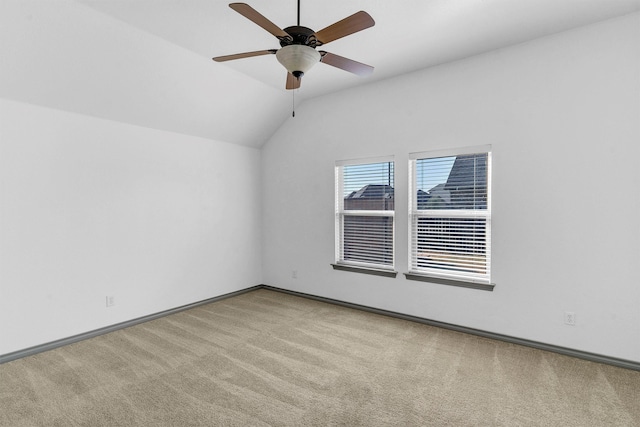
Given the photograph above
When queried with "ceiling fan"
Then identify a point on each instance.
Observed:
(298, 44)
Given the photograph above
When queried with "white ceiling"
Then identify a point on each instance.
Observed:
(148, 62)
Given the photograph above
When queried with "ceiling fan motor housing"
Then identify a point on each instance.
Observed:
(300, 35)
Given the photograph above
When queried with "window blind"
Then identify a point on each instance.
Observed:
(365, 214)
(450, 216)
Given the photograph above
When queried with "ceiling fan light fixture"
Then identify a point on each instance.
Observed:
(298, 58)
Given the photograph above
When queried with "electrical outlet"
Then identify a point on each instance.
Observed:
(294, 274)
(569, 318)
(110, 301)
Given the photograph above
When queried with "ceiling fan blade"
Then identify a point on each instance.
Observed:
(349, 25)
(243, 55)
(346, 64)
(255, 16)
(292, 82)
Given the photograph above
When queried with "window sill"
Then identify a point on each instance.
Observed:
(365, 270)
(449, 282)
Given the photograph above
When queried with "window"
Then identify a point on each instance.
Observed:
(365, 214)
(450, 215)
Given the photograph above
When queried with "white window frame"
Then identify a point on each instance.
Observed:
(452, 275)
(341, 213)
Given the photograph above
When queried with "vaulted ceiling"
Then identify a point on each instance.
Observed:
(148, 62)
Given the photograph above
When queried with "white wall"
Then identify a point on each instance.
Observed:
(563, 116)
(90, 208)
(64, 54)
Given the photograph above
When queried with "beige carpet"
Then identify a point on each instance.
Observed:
(268, 358)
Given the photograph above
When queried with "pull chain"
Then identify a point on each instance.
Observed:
(293, 103)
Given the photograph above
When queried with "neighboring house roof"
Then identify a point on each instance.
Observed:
(372, 191)
(464, 169)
